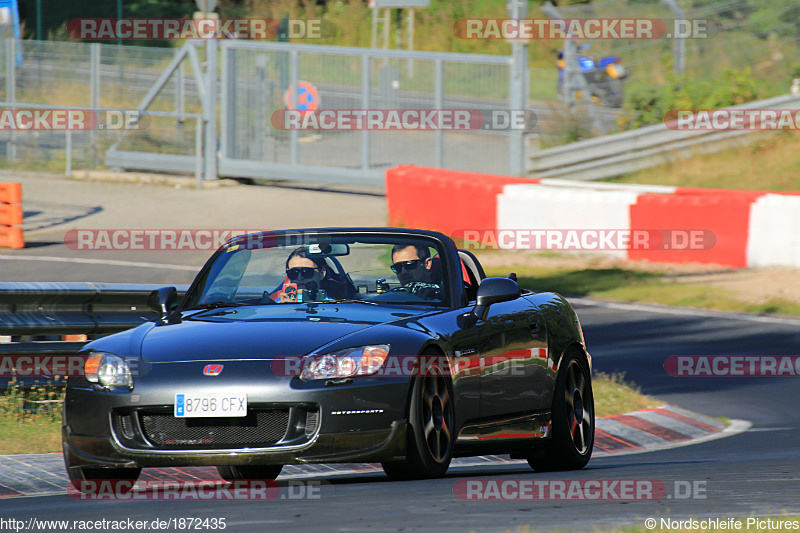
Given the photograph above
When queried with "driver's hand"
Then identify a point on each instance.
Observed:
(426, 291)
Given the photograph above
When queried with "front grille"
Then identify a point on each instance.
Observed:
(258, 429)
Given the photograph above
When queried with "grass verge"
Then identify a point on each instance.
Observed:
(615, 396)
(30, 420)
(656, 287)
(770, 163)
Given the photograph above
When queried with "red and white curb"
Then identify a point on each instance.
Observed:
(659, 428)
(664, 427)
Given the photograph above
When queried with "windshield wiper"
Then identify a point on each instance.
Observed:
(215, 305)
(347, 301)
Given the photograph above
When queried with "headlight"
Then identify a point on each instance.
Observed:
(358, 361)
(110, 371)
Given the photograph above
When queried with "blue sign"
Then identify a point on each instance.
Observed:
(9, 23)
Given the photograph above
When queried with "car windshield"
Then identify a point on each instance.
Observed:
(291, 269)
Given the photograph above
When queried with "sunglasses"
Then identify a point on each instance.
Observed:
(408, 265)
(306, 272)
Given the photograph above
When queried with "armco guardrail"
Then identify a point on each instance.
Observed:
(52, 308)
(621, 153)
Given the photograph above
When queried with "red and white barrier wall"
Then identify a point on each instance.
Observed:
(521, 207)
(774, 231)
(747, 228)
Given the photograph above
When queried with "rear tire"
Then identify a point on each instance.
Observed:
(570, 446)
(431, 430)
(234, 473)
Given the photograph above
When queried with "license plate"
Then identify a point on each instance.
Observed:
(203, 405)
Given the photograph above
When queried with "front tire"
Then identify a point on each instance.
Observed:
(77, 475)
(431, 432)
(570, 446)
(233, 473)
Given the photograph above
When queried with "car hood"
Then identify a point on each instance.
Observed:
(267, 332)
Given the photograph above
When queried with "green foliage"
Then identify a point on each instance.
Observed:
(648, 105)
(57, 13)
(30, 419)
(30, 404)
(585, 282)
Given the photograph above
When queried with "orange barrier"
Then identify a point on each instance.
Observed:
(448, 201)
(11, 238)
(11, 215)
(727, 216)
(10, 193)
(75, 338)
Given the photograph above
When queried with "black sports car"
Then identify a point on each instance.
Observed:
(335, 345)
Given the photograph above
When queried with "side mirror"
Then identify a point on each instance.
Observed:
(163, 301)
(492, 291)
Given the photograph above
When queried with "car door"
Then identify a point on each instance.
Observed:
(513, 358)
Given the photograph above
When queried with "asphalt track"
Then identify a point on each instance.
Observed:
(753, 473)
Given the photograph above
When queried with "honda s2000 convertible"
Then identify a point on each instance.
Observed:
(335, 345)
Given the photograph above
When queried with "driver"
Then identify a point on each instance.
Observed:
(412, 264)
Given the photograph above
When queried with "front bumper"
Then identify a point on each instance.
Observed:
(363, 420)
(363, 446)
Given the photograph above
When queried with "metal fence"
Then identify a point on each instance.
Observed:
(251, 85)
(98, 78)
(254, 76)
